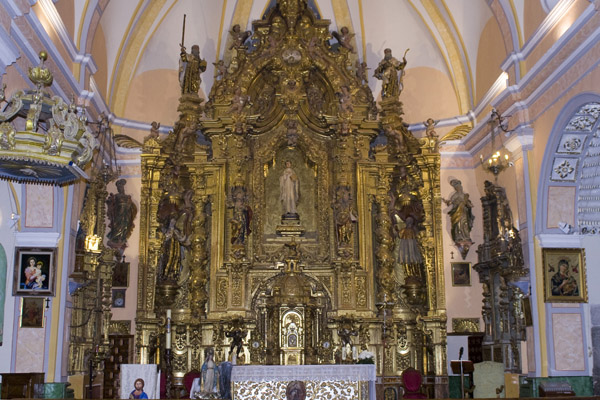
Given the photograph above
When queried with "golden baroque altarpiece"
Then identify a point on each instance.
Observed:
(289, 207)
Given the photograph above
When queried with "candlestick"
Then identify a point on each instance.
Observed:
(168, 336)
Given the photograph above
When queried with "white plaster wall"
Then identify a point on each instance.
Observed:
(461, 301)
(132, 173)
(7, 238)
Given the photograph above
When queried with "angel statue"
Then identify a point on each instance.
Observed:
(239, 37)
(344, 37)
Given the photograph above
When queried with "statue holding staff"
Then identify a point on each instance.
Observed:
(190, 67)
(387, 72)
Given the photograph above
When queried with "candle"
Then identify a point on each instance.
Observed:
(168, 338)
(354, 353)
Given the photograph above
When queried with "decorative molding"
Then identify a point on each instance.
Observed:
(465, 325)
(119, 327)
(37, 239)
(553, 240)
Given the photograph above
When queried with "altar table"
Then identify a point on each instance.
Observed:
(321, 381)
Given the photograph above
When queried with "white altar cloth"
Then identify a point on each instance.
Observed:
(343, 381)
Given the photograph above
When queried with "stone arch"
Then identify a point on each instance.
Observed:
(570, 179)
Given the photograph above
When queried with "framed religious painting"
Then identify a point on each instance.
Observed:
(32, 312)
(461, 274)
(34, 271)
(120, 277)
(564, 275)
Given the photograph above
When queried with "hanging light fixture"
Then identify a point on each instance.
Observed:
(500, 159)
(42, 139)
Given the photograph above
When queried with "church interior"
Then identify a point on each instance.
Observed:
(349, 199)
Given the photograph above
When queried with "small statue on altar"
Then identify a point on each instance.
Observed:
(387, 72)
(209, 373)
(237, 341)
(225, 379)
(345, 334)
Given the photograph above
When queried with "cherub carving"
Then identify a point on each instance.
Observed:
(429, 131)
(345, 100)
(344, 37)
(361, 72)
(220, 69)
(239, 37)
(239, 101)
(154, 129)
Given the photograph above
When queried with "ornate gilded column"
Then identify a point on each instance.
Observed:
(385, 244)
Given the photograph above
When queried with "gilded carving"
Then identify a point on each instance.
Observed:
(346, 290)
(222, 288)
(287, 129)
(361, 291)
(465, 325)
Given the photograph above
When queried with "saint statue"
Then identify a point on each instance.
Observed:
(121, 212)
(289, 187)
(242, 216)
(344, 216)
(387, 72)
(461, 217)
(190, 68)
(176, 226)
(209, 373)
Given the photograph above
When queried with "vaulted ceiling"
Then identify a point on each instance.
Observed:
(456, 47)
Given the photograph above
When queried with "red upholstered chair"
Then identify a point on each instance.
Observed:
(412, 380)
(188, 379)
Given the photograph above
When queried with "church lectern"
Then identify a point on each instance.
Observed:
(462, 367)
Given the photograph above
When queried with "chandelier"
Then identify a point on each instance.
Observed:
(42, 139)
(499, 160)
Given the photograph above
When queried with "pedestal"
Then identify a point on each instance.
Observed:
(290, 226)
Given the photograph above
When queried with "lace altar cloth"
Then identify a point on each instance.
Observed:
(271, 373)
(321, 381)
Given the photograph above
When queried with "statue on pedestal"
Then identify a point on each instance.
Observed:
(387, 72)
(289, 187)
(209, 373)
(461, 217)
(190, 68)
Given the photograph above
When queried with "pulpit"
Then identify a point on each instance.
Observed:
(320, 381)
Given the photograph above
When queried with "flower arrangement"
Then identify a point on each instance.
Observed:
(366, 357)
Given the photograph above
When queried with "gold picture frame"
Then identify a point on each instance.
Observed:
(564, 276)
(32, 312)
